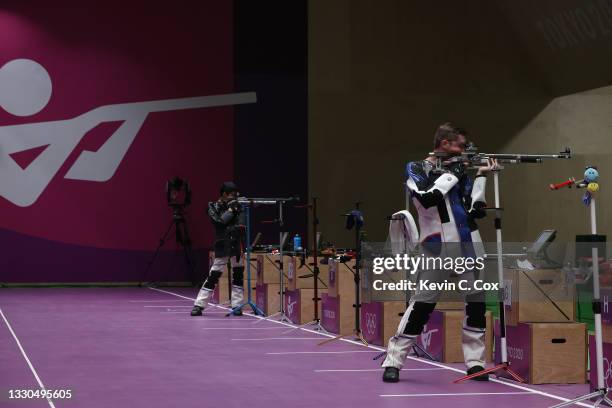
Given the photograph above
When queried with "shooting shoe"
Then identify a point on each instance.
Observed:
(391, 375)
(476, 369)
(197, 311)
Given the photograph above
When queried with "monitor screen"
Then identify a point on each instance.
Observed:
(543, 240)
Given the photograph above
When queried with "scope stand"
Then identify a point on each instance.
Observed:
(256, 311)
(282, 316)
(601, 393)
(504, 365)
(182, 238)
(316, 321)
(357, 278)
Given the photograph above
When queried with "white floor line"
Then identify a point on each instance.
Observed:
(209, 312)
(456, 394)
(282, 353)
(176, 311)
(241, 328)
(520, 387)
(206, 313)
(157, 301)
(185, 311)
(168, 306)
(375, 369)
(279, 338)
(23, 353)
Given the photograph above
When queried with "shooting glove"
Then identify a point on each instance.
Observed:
(235, 206)
(457, 169)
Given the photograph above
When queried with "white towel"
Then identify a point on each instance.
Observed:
(403, 233)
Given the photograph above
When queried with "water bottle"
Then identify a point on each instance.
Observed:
(297, 243)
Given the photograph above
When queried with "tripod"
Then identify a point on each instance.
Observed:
(601, 393)
(355, 218)
(182, 238)
(249, 202)
(282, 316)
(315, 322)
(504, 365)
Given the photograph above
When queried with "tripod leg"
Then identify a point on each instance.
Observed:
(420, 352)
(171, 271)
(182, 237)
(190, 265)
(330, 340)
(361, 338)
(599, 394)
(515, 375)
(162, 241)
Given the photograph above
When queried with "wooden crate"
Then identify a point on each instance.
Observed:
(606, 311)
(267, 298)
(299, 305)
(380, 320)
(526, 303)
(606, 333)
(442, 336)
(266, 269)
(341, 281)
(547, 353)
(337, 314)
(332, 276)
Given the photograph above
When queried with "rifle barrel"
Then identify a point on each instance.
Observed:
(524, 156)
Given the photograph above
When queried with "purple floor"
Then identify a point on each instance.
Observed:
(130, 347)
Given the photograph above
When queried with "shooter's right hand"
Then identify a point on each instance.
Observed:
(457, 168)
(235, 206)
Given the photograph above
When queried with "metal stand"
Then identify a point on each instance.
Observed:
(281, 202)
(282, 316)
(357, 277)
(316, 321)
(505, 365)
(416, 349)
(249, 302)
(182, 238)
(601, 393)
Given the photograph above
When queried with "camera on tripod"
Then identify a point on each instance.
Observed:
(178, 195)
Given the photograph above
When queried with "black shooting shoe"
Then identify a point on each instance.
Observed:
(476, 369)
(391, 375)
(237, 312)
(197, 311)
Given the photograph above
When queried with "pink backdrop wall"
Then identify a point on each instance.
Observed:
(112, 53)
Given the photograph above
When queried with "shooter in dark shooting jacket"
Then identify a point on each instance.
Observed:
(226, 216)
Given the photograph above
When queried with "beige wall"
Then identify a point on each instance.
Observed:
(584, 122)
(384, 74)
